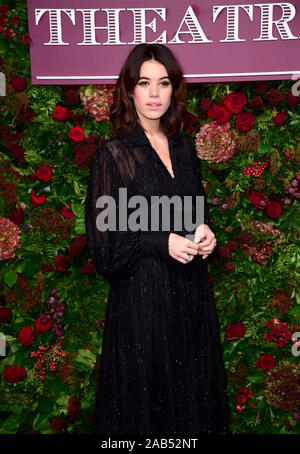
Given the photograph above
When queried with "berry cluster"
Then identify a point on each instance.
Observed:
(257, 169)
(294, 189)
(57, 310)
(48, 356)
(280, 332)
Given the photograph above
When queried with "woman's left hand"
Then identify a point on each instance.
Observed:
(206, 237)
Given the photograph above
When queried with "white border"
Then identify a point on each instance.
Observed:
(270, 73)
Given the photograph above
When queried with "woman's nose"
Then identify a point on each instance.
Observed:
(153, 90)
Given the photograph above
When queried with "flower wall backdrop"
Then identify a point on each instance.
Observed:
(52, 301)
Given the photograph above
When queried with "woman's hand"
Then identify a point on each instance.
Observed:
(206, 240)
(180, 247)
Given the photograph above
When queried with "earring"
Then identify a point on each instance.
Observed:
(131, 95)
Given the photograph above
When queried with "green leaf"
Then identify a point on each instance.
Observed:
(256, 378)
(10, 278)
(79, 226)
(295, 311)
(41, 422)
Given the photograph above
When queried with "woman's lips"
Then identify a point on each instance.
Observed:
(153, 106)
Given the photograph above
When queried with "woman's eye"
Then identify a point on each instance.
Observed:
(165, 83)
(143, 83)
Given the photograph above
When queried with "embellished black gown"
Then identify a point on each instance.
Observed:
(161, 367)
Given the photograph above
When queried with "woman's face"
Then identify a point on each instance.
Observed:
(152, 93)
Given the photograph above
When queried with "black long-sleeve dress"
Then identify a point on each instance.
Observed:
(161, 367)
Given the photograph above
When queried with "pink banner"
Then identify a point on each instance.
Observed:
(87, 41)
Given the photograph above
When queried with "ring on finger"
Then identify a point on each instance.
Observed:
(188, 258)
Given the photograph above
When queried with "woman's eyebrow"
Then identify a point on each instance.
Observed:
(143, 77)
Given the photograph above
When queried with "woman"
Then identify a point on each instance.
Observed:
(161, 369)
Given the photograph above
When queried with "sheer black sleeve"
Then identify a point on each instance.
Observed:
(115, 253)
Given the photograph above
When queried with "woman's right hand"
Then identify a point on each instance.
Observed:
(180, 247)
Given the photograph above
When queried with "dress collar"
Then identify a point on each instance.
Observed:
(138, 136)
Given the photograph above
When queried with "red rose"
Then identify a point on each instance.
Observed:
(73, 407)
(273, 209)
(273, 96)
(59, 113)
(15, 20)
(16, 215)
(71, 97)
(82, 160)
(5, 314)
(256, 103)
(291, 100)
(92, 138)
(18, 83)
(88, 268)
(43, 173)
(13, 374)
(42, 327)
(75, 249)
(76, 134)
(219, 113)
(67, 212)
(232, 245)
(91, 149)
(57, 424)
(224, 252)
(279, 118)
(244, 121)
(37, 200)
(247, 392)
(265, 362)
(258, 199)
(26, 39)
(229, 266)
(4, 9)
(26, 335)
(235, 101)
(235, 330)
(61, 262)
(241, 398)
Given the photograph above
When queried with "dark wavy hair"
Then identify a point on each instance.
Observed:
(123, 114)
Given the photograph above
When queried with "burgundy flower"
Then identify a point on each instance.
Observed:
(273, 96)
(18, 83)
(279, 118)
(256, 103)
(26, 335)
(219, 113)
(265, 362)
(244, 121)
(16, 215)
(273, 209)
(13, 374)
(292, 101)
(43, 173)
(61, 262)
(59, 113)
(42, 327)
(224, 252)
(5, 314)
(235, 101)
(235, 330)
